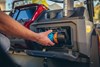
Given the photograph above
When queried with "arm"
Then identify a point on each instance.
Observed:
(13, 28)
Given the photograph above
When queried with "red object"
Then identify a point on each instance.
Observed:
(37, 13)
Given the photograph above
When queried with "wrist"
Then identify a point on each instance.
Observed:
(35, 37)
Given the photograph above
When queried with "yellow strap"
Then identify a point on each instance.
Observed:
(40, 2)
(36, 1)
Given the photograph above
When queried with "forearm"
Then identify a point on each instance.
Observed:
(11, 27)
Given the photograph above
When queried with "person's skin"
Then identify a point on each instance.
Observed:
(11, 27)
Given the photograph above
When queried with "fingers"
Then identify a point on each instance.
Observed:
(50, 43)
(44, 40)
(47, 43)
(48, 32)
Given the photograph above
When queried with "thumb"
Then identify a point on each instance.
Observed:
(48, 32)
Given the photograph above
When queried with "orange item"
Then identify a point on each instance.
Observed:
(55, 37)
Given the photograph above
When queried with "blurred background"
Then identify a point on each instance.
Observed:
(6, 5)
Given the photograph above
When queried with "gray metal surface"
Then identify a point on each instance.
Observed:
(78, 31)
(68, 9)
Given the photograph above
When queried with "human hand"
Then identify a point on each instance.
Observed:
(43, 39)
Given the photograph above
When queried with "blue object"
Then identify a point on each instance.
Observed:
(24, 13)
(51, 36)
